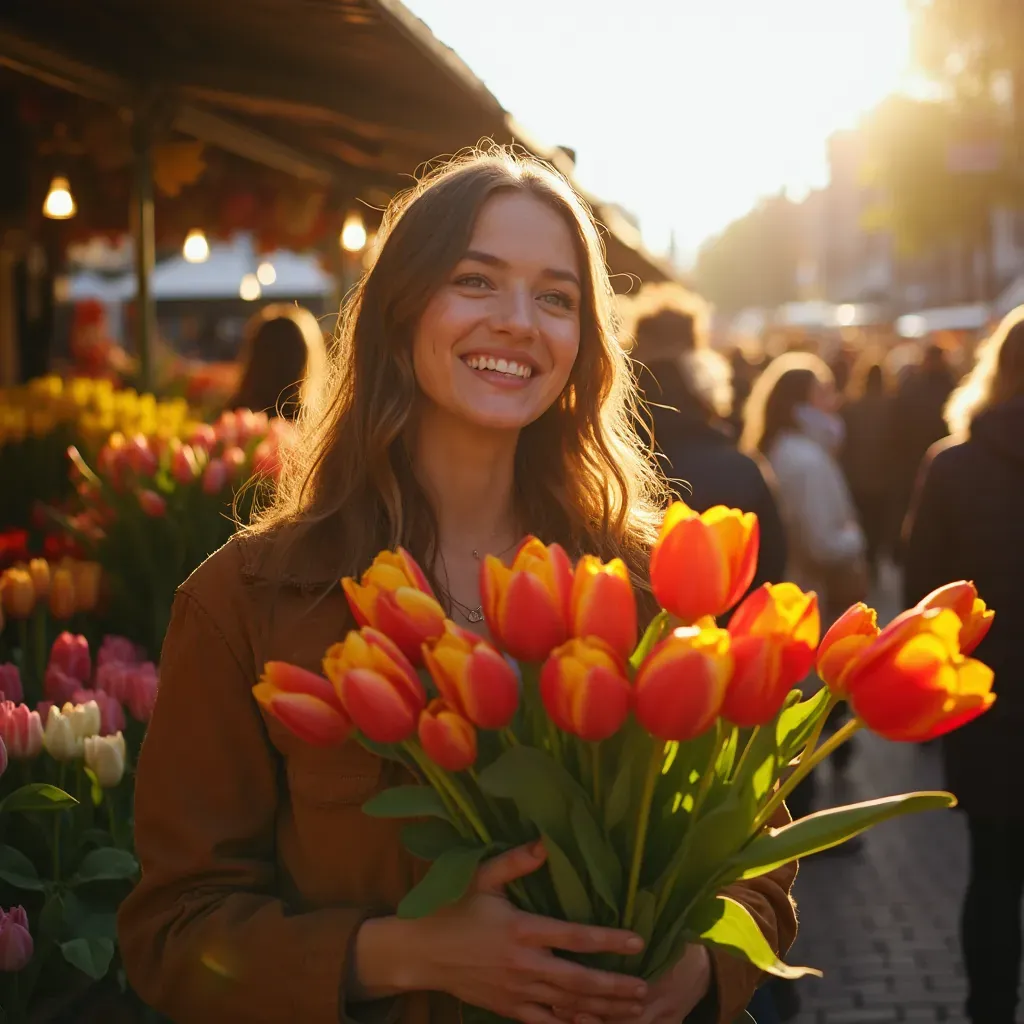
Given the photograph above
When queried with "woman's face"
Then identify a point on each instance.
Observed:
(497, 342)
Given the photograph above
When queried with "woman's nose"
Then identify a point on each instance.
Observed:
(516, 313)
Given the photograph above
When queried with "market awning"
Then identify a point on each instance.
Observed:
(357, 94)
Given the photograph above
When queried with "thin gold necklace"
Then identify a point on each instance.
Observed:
(471, 615)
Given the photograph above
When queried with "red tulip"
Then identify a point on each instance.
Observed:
(774, 635)
(394, 597)
(584, 689)
(215, 476)
(304, 702)
(703, 564)
(152, 504)
(448, 739)
(527, 606)
(962, 598)
(473, 677)
(681, 685)
(377, 686)
(603, 603)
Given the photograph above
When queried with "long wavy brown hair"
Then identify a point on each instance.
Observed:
(583, 477)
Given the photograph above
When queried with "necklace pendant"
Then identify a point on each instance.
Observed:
(475, 615)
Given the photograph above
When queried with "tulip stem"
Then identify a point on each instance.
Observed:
(595, 768)
(57, 815)
(836, 740)
(111, 819)
(646, 798)
(508, 738)
(816, 735)
(445, 784)
(746, 750)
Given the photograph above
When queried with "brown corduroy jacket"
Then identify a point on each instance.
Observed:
(258, 865)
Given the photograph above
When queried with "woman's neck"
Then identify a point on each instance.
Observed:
(469, 476)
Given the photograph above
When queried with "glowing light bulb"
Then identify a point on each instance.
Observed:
(249, 288)
(846, 315)
(59, 203)
(196, 248)
(266, 274)
(353, 233)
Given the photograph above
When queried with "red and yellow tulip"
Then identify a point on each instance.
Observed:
(376, 684)
(303, 702)
(913, 684)
(448, 739)
(845, 640)
(962, 598)
(682, 683)
(703, 564)
(527, 605)
(584, 689)
(473, 678)
(774, 635)
(603, 603)
(394, 596)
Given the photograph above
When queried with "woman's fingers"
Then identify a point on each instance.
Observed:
(534, 1013)
(578, 982)
(568, 1006)
(495, 874)
(576, 938)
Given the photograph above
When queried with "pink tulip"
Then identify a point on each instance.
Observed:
(112, 678)
(58, 685)
(203, 437)
(21, 730)
(117, 649)
(266, 460)
(15, 940)
(142, 683)
(70, 653)
(43, 709)
(140, 455)
(10, 683)
(226, 429)
(234, 459)
(215, 476)
(184, 464)
(152, 504)
(111, 712)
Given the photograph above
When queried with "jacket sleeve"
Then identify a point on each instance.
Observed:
(824, 511)
(770, 904)
(928, 542)
(204, 937)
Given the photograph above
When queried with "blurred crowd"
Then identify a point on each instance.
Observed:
(868, 461)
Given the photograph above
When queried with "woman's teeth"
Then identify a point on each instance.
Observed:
(508, 366)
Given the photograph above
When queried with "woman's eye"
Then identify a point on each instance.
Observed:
(473, 281)
(559, 299)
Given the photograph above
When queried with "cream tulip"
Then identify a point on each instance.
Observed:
(105, 755)
(68, 728)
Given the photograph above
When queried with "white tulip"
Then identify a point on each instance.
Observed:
(85, 718)
(59, 737)
(106, 755)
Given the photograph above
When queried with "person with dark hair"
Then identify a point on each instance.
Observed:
(687, 388)
(478, 393)
(866, 457)
(967, 522)
(283, 360)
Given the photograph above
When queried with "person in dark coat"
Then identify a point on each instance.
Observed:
(687, 387)
(967, 522)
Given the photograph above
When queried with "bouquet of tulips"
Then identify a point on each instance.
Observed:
(154, 507)
(650, 770)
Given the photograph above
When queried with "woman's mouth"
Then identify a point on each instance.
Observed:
(499, 367)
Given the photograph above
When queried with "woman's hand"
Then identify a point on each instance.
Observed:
(487, 953)
(673, 996)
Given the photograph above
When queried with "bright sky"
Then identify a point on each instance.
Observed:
(684, 111)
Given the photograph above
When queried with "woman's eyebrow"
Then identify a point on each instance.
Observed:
(496, 261)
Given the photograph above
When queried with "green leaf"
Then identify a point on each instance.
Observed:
(37, 796)
(825, 829)
(445, 883)
(407, 802)
(729, 926)
(571, 893)
(95, 789)
(616, 804)
(17, 870)
(603, 866)
(796, 724)
(654, 633)
(91, 956)
(431, 838)
(85, 921)
(727, 758)
(643, 925)
(51, 918)
(105, 864)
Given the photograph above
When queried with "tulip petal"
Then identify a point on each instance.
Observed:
(292, 679)
(376, 708)
(603, 604)
(414, 573)
(599, 707)
(309, 718)
(689, 572)
(360, 600)
(531, 622)
(447, 738)
(490, 690)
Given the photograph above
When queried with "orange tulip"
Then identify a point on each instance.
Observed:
(962, 598)
(19, 593)
(846, 638)
(913, 684)
(39, 570)
(394, 596)
(448, 739)
(377, 685)
(303, 702)
(474, 679)
(603, 603)
(774, 633)
(62, 594)
(527, 605)
(682, 683)
(703, 564)
(584, 689)
(87, 577)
